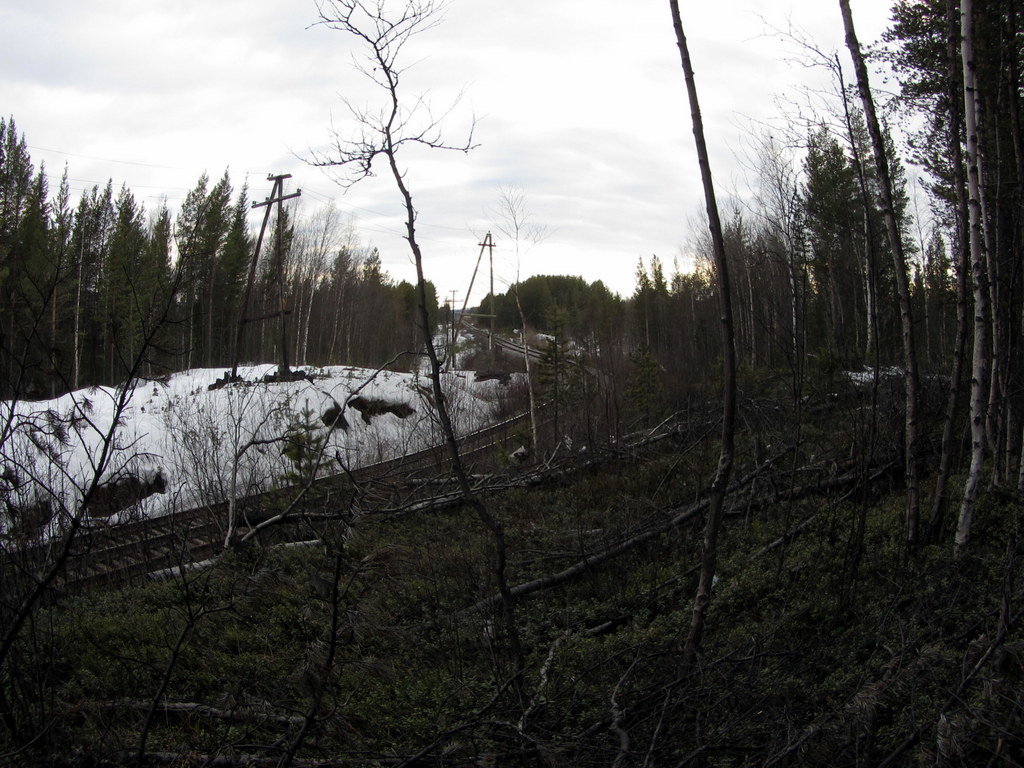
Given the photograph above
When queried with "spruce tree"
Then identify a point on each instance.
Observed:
(124, 287)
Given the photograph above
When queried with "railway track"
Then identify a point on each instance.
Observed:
(503, 343)
(107, 555)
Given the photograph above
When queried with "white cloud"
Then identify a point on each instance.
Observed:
(581, 104)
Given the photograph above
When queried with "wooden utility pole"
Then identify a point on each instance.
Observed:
(488, 243)
(276, 196)
(453, 327)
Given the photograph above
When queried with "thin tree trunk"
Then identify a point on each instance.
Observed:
(75, 353)
(902, 281)
(996, 401)
(309, 319)
(719, 486)
(752, 319)
(795, 285)
(870, 270)
(529, 378)
(960, 244)
(990, 243)
(54, 361)
(980, 360)
(1020, 474)
(191, 327)
(458, 469)
(212, 288)
(1013, 362)
(283, 368)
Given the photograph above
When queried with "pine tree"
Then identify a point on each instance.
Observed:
(31, 282)
(156, 274)
(202, 226)
(60, 302)
(15, 185)
(124, 289)
(645, 392)
(832, 216)
(236, 257)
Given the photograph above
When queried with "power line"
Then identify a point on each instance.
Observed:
(74, 183)
(105, 159)
(131, 186)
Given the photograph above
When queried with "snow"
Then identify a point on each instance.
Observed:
(866, 375)
(208, 444)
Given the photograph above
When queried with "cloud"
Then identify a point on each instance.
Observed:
(583, 106)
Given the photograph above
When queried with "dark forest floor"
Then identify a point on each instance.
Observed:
(828, 644)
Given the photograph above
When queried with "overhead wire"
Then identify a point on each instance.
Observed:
(166, 193)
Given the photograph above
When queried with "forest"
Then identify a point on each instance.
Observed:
(763, 510)
(85, 285)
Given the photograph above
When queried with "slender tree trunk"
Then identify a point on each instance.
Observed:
(75, 353)
(870, 269)
(192, 299)
(999, 287)
(870, 291)
(283, 367)
(795, 289)
(51, 352)
(752, 318)
(211, 360)
(719, 486)
(902, 281)
(309, 319)
(960, 244)
(1020, 474)
(338, 318)
(980, 360)
(471, 499)
(1014, 318)
(529, 377)
(990, 241)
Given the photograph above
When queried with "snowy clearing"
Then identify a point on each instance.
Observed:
(181, 444)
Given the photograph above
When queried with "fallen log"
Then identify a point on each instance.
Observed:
(240, 714)
(610, 553)
(677, 519)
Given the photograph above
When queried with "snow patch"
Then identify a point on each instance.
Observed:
(174, 443)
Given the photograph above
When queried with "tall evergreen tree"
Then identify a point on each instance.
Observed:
(124, 288)
(831, 207)
(62, 264)
(16, 174)
(235, 259)
(94, 222)
(31, 290)
(156, 276)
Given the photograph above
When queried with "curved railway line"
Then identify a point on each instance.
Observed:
(125, 553)
(136, 551)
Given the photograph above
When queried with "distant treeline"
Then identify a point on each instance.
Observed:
(89, 285)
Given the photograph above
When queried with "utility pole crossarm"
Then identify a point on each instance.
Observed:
(271, 200)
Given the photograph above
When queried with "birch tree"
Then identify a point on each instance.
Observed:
(980, 360)
(911, 463)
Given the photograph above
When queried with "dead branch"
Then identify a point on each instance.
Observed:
(260, 713)
(599, 558)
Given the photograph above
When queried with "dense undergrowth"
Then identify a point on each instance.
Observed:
(828, 646)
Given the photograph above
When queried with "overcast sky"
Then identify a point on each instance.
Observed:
(581, 104)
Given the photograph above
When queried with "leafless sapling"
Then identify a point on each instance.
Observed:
(383, 33)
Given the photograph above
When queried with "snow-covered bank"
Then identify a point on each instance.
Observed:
(185, 444)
